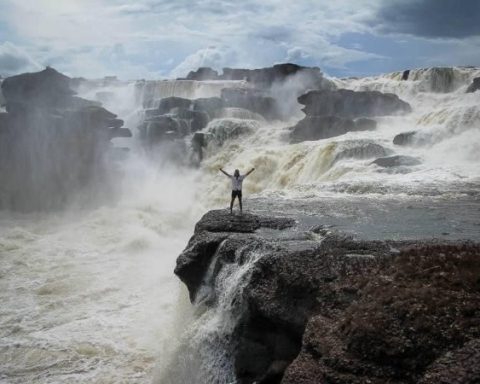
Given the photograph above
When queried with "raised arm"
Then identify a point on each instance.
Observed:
(250, 171)
(225, 173)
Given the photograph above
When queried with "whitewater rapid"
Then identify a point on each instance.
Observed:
(448, 126)
(90, 295)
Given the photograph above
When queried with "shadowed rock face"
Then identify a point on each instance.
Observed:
(396, 161)
(324, 127)
(333, 113)
(52, 143)
(404, 138)
(475, 86)
(350, 104)
(322, 307)
(262, 77)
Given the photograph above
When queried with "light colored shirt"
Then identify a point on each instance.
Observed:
(237, 183)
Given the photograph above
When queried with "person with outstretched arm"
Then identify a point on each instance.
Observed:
(237, 181)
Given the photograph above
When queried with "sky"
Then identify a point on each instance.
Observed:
(155, 39)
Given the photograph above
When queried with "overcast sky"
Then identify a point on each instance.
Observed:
(167, 38)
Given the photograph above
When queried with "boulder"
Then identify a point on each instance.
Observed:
(404, 138)
(475, 86)
(396, 161)
(405, 74)
(320, 127)
(351, 104)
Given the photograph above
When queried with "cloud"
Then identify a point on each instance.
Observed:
(158, 38)
(14, 60)
(212, 56)
(430, 18)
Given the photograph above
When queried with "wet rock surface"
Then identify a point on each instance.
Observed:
(331, 113)
(324, 127)
(319, 306)
(475, 86)
(351, 104)
(396, 161)
(262, 77)
(405, 138)
(52, 143)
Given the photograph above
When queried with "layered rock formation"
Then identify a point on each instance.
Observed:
(266, 93)
(396, 161)
(52, 143)
(264, 77)
(321, 307)
(333, 113)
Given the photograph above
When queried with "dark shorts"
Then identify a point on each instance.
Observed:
(236, 193)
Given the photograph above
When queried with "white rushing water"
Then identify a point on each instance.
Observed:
(90, 296)
(448, 147)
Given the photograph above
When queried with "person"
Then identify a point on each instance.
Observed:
(237, 181)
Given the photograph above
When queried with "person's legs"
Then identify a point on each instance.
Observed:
(231, 201)
(240, 200)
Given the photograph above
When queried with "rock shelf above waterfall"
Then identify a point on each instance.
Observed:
(316, 305)
(264, 77)
(352, 104)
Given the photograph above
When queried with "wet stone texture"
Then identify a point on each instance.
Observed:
(321, 307)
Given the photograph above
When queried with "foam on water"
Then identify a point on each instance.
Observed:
(90, 297)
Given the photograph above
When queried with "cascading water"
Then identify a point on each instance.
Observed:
(448, 147)
(91, 297)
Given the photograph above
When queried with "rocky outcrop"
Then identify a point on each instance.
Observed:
(404, 138)
(317, 306)
(52, 144)
(324, 127)
(320, 127)
(475, 86)
(263, 77)
(396, 161)
(360, 149)
(333, 113)
(405, 317)
(351, 104)
(177, 117)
